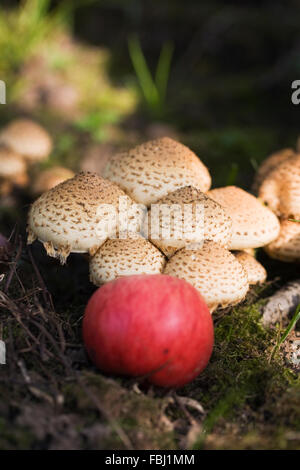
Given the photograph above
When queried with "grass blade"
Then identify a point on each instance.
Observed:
(254, 164)
(163, 70)
(142, 72)
(232, 175)
(291, 325)
(294, 320)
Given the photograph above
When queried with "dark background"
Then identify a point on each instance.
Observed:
(233, 62)
(229, 92)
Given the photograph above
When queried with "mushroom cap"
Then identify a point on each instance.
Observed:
(156, 168)
(287, 246)
(190, 217)
(12, 165)
(256, 273)
(27, 138)
(280, 190)
(214, 271)
(71, 216)
(124, 257)
(253, 224)
(269, 164)
(48, 179)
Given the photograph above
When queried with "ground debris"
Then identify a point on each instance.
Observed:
(281, 304)
(52, 397)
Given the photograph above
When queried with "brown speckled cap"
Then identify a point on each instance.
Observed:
(66, 218)
(156, 168)
(269, 164)
(213, 224)
(123, 257)
(280, 190)
(48, 179)
(256, 273)
(253, 224)
(214, 271)
(287, 246)
(27, 138)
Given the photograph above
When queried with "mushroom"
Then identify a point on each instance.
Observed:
(156, 168)
(256, 273)
(287, 246)
(124, 257)
(280, 190)
(269, 164)
(250, 251)
(96, 156)
(28, 139)
(253, 224)
(214, 271)
(12, 170)
(78, 215)
(187, 216)
(48, 179)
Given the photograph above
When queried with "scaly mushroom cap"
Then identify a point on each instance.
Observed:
(253, 224)
(72, 216)
(12, 166)
(48, 179)
(214, 271)
(125, 257)
(269, 164)
(280, 190)
(190, 217)
(287, 246)
(156, 168)
(255, 271)
(27, 138)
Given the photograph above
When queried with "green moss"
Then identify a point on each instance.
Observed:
(241, 376)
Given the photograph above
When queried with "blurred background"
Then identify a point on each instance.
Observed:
(108, 74)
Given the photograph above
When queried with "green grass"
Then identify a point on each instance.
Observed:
(21, 30)
(232, 174)
(288, 329)
(153, 88)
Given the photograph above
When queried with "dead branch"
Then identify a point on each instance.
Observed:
(282, 304)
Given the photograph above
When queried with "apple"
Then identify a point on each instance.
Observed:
(155, 326)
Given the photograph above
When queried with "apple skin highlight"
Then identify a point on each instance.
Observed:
(153, 326)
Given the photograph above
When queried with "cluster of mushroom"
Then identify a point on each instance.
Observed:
(23, 144)
(211, 254)
(277, 184)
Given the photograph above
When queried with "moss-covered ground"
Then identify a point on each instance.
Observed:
(53, 397)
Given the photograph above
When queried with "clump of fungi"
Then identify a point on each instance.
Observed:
(222, 226)
(24, 145)
(278, 186)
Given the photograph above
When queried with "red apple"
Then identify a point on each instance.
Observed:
(156, 326)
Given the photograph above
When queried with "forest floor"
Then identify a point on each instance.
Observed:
(52, 397)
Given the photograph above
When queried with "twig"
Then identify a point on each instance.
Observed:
(46, 294)
(13, 266)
